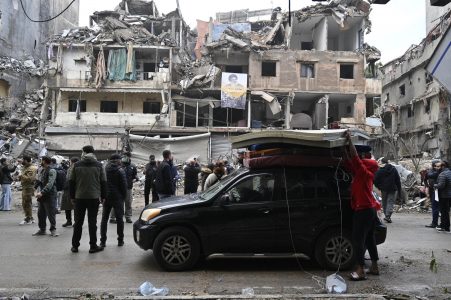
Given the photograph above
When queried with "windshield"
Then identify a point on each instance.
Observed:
(214, 189)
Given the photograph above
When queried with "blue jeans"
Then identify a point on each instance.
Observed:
(6, 199)
(435, 208)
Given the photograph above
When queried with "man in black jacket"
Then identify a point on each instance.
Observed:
(151, 172)
(164, 181)
(87, 188)
(192, 170)
(431, 180)
(6, 180)
(116, 184)
(388, 182)
(444, 194)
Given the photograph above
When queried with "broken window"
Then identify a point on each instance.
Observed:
(150, 107)
(346, 71)
(108, 106)
(306, 45)
(186, 114)
(307, 70)
(402, 90)
(410, 111)
(427, 106)
(73, 105)
(269, 68)
(234, 69)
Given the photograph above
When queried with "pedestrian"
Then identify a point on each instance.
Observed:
(60, 181)
(6, 180)
(192, 170)
(364, 206)
(164, 181)
(131, 173)
(387, 180)
(205, 172)
(27, 179)
(66, 203)
(430, 181)
(214, 177)
(116, 187)
(87, 188)
(45, 198)
(444, 194)
(150, 172)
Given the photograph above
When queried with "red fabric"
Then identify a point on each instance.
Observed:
(363, 171)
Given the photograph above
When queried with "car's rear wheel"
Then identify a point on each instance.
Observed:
(334, 250)
(176, 249)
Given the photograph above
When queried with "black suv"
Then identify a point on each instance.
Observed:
(277, 211)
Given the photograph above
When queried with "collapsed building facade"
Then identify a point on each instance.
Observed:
(23, 63)
(415, 108)
(136, 72)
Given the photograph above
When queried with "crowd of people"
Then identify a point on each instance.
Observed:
(80, 186)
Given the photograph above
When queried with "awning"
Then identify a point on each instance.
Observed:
(122, 90)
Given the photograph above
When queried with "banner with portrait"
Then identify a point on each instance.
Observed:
(233, 90)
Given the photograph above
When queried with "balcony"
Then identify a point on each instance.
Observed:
(97, 119)
(150, 80)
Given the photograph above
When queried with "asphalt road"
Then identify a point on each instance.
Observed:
(44, 265)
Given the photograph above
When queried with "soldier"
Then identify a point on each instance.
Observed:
(27, 179)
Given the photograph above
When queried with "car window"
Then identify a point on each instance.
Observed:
(214, 189)
(255, 188)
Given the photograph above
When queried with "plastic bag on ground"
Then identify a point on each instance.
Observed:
(247, 291)
(335, 284)
(147, 289)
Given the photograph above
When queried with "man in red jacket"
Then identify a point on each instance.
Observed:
(364, 206)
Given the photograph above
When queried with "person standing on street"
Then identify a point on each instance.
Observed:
(66, 203)
(60, 181)
(218, 173)
(192, 170)
(364, 206)
(149, 184)
(444, 194)
(164, 181)
(116, 193)
(387, 180)
(6, 180)
(27, 179)
(430, 181)
(87, 188)
(45, 197)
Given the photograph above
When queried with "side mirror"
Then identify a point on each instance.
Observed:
(224, 199)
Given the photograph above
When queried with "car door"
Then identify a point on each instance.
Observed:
(244, 224)
(301, 207)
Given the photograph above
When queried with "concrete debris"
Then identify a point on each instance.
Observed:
(30, 66)
(371, 53)
(25, 114)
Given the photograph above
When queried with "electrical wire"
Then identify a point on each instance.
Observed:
(318, 279)
(47, 20)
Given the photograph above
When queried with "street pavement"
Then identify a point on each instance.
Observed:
(44, 265)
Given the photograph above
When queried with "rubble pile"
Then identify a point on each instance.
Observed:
(25, 114)
(30, 66)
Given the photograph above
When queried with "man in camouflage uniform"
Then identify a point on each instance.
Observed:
(27, 178)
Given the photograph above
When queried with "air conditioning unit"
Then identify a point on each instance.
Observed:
(440, 2)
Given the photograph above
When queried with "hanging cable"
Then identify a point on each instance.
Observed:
(47, 20)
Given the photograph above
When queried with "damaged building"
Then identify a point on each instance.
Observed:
(23, 63)
(415, 108)
(136, 71)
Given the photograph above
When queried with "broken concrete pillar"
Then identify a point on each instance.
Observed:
(360, 109)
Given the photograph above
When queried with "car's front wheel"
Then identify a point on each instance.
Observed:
(334, 250)
(176, 249)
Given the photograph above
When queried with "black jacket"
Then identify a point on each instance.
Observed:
(6, 174)
(151, 173)
(387, 179)
(444, 184)
(431, 178)
(116, 183)
(131, 174)
(164, 182)
(192, 176)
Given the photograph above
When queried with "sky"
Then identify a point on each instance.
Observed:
(395, 26)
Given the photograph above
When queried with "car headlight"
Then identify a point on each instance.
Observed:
(150, 213)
